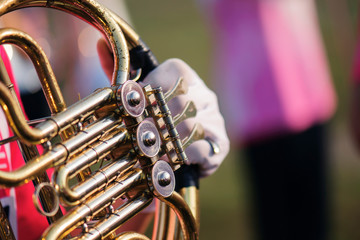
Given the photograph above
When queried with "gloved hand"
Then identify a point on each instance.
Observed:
(208, 114)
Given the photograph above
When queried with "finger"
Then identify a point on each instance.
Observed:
(166, 74)
(202, 154)
(106, 58)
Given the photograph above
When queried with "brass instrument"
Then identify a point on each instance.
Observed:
(106, 146)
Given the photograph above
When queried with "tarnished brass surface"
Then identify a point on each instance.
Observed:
(100, 16)
(30, 152)
(41, 63)
(191, 197)
(164, 226)
(99, 139)
(183, 212)
(91, 207)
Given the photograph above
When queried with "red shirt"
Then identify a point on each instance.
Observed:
(26, 222)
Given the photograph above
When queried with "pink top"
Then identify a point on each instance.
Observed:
(271, 69)
(356, 67)
(26, 222)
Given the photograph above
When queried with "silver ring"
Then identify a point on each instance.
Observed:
(214, 146)
(55, 196)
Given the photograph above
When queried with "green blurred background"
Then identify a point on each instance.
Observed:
(176, 29)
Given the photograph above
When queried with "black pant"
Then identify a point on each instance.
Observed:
(288, 177)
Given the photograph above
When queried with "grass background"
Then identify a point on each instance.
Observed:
(176, 29)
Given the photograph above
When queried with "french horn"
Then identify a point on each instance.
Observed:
(105, 147)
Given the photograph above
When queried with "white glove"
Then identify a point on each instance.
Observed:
(208, 114)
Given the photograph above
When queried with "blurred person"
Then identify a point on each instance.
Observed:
(272, 78)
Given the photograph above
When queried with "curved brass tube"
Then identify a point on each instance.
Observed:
(32, 169)
(105, 228)
(164, 222)
(91, 207)
(186, 219)
(121, 37)
(17, 119)
(41, 64)
(58, 154)
(73, 195)
(191, 197)
(99, 14)
(131, 236)
(48, 129)
(131, 36)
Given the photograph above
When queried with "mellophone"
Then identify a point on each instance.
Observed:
(105, 147)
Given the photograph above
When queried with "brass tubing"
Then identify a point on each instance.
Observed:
(84, 160)
(43, 68)
(131, 236)
(49, 128)
(114, 34)
(18, 122)
(45, 73)
(92, 155)
(57, 155)
(103, 177)
(183, 212)
(5, 78)
(162, 226)
(131, 36)
(33, 168)
(82, 108)
(99, 14)
(120, 216)
(30, 152)
(91, 207)
(191, 197)
(90, 134)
